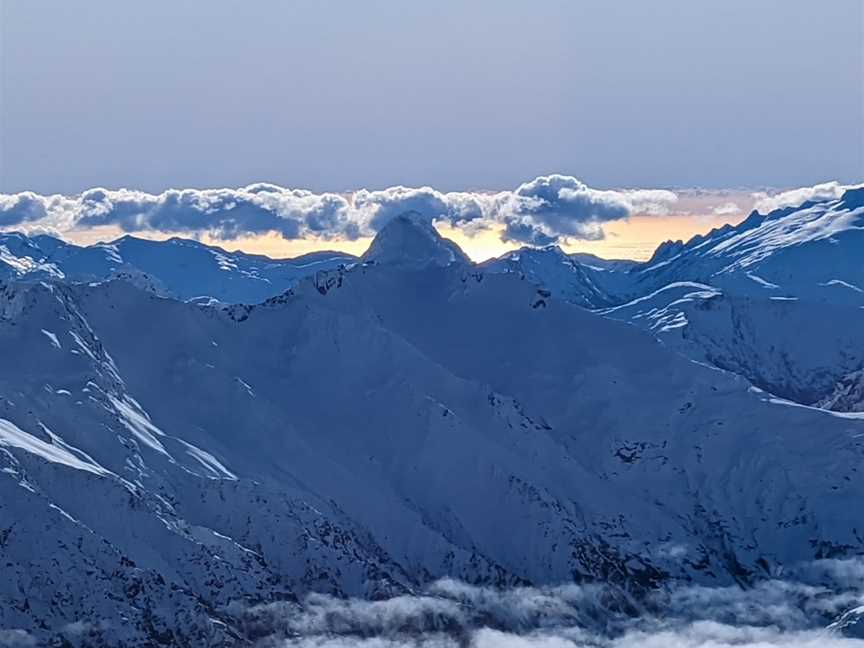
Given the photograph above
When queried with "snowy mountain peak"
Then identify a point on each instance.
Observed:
(551, 250)
(186, 269)
(549, 253)
(411, 240)
(666, 250)
(553, 269)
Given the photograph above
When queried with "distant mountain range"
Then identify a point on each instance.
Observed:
(174, 448)
(179, 268)
(778, 298)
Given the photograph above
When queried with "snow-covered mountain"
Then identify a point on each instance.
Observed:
(164, 465)
(759, 338)
(741, 297)
(410, 241)
(812, 251)
(551, 267)
(181, 268)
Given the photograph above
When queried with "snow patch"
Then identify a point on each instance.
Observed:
(245, 385)
(671, 286)
(11, 436)
(214, 467)
(840, 282)
(761, 281)
(138, 423)
(53, 338)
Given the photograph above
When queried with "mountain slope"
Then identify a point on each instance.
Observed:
(181, 268)
(374, 429)
(811, 252)
(792, 348)
(741, 297)
(552, 269)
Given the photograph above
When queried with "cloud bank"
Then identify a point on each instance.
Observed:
(768, 202)
(548, 209)
(800, 611)
(544, 210)
(815, 605)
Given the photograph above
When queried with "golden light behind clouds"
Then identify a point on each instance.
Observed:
(633, 238)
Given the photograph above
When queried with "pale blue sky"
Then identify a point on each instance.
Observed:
(485, 94)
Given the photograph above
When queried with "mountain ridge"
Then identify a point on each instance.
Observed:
(379, 426)
(183, 268)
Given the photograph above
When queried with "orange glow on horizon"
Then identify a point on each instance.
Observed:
(635, 238)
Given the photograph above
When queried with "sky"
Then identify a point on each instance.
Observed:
(339, 96)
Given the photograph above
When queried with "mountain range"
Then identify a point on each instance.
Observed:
(187, 433)
(741, 297)
(179, 268)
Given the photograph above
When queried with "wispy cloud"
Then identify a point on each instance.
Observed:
(795, 612)
(727, 209)
(815, 605)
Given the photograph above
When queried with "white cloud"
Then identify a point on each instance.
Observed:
(227, 213)
(654, 202)
(726, 209)
(541, 211)
(546, 210)
(377, 208)
(556, 206)
(21, 208)
(768, 202)
(794, 613)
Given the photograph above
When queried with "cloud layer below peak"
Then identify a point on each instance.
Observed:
(817, 605)
(545, 210)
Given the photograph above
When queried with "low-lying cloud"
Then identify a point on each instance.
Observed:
(802, 611)
(544, 210)
(816, 605)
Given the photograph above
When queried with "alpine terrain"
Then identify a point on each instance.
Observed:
(187, 435)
